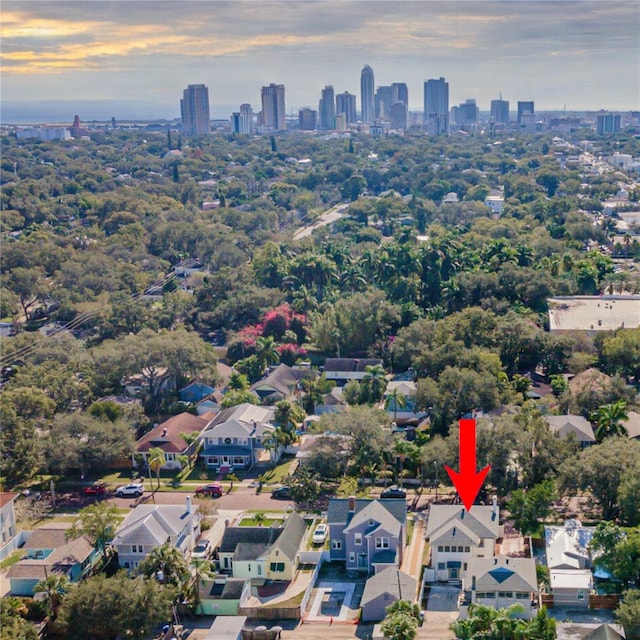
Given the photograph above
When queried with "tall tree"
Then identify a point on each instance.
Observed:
(166, 564)
(608, 420)
(54, 587)
(98, 523)
(156, 460)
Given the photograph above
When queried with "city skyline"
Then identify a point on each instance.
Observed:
(578, 53)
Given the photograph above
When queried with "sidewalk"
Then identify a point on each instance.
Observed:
(412, 561)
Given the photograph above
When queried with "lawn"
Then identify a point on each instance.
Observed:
(278, 474)
(11, 559)
(267, 522)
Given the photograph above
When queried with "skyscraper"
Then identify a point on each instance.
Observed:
(436, 106)
(383, 101)
(346, 103)
(246, 119)
(307, 118)
(467, 114)
(400, 93)
(367, 84)
(194, 110)
(398, 115)
(327, 109)
(607, 123)
(524, 107)
(273, 110)
(500, 111)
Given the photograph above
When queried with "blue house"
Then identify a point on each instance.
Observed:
(195, 391)
(48, 551)
(368, 535)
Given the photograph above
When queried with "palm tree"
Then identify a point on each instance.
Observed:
(402, 449)
(375, 381)
(190, 588)
(395, 399)
(166, 563)
(259, 518)
(266, 351)
(156, 460)
(54, 586)
(231, 477)
(608, 420)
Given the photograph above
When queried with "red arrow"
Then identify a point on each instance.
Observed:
(468, 481)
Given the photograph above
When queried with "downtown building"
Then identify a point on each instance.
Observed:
(327, 109)
(273, 107)
(367, 83)
(525, 108)
(346, 104)
(307, 119)
(194, 110)
(436, 106)
(500, 111)
(242, 121)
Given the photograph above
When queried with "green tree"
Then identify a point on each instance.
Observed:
(190, 591)
(628, 614)
(608, 420)
(530, 508)
(618, 551)
(234, 398)
(397, 400)
(104, 608)
(54, 587)
(156, 460)
(305, 488)
(98, 523)
(374, 383)
(166, 564)
(231, 478)
(12, 620)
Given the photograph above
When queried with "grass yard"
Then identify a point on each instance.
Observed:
(278, 474)
(11, 559)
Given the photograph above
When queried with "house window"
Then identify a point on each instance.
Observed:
(441, 566)
(352, 556)
(126, 564)
(464, 566)
(440, 548)
(259, 569)
(137, 548)
(490, 595)
(382, 543)
(212, 460)
(226, 562)
(447, 548)
(525, 596)
(580, 594)
(467, 549)
(238, 460)
(170, 457)
(336, 544)
(505, 594)
(277, 567)
(249, 568)
(357, 539)
(460, 549)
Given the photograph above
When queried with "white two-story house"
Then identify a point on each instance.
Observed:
(456, 536)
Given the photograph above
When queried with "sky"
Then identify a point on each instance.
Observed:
(133, 58)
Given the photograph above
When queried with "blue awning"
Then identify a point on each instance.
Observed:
(453, 564)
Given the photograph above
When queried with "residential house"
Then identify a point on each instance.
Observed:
(195, 392)
(168, 437)
(48, 551)
(269, 553)
(500, 582)
(279, 384)
(383, 589)
(632, 424)
(569, 561)
(332, 402)
(344, 369)
(368, 535)
(152, 525)
(579, 427)
(235, 437)
(7, 515)
(589, 631)
(457, 536)
(407, 413)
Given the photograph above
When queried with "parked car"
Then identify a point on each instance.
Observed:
(320, 534)
(202, 550)
(282, 493)
(214, 490)
(94, 489)
(132, 490)
(393, 492)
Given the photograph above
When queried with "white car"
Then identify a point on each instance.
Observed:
(201, 550)
(320, 534)
(132, 490)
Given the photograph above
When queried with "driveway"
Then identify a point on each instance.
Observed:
(443, 598)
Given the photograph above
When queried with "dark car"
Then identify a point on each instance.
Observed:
(94, 490)
(282, 493)
(393, 492)
(213, 490)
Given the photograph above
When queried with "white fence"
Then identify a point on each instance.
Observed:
(323, 556)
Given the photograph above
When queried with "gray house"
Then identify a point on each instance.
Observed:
(383, 589)
(368, 535)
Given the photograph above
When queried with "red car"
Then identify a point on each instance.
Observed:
(214, 490)
(94, 490)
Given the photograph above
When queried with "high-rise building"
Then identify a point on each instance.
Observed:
(194, 110)
(235, 122)
(436, 106)
(346, 103)
(607, 123)
(273, 109)
(308, 119)
(500, 111)
(398, 115)
(467, 114)
(367, 84)
(246, 119)
(383, 99)
(525, 107)
(340, 122)
(327, 109)
(400, 93)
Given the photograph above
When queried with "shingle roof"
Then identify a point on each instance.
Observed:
(150, 524)
(350, 364)
(632, 424)
(378, 514)
(242, 420)
(568, 546)
(338, 511)
(172, 441)
(482, 520)
(248, 551)
(293, 531)
(504, 573)
(6, 497)
(282, 379)
(604, 632)
(233, 536)
(49, 536)
(392, 581)
(564, 425)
